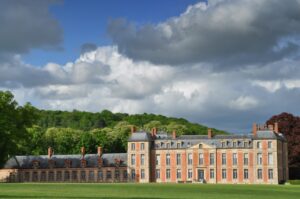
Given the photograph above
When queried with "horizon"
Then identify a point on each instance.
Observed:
(221, 63)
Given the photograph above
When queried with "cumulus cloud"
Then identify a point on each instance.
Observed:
(227, 33)
(26, 25)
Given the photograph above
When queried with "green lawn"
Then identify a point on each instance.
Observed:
(163, 191)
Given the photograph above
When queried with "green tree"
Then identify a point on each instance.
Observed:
(14, 120)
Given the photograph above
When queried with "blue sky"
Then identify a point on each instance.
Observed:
(224, 63)
(86, 22)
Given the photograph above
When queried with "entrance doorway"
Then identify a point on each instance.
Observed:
(200, 175)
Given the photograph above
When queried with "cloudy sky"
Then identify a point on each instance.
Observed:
(222, 63)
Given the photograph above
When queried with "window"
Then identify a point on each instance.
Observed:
(234, 144)
(200, 158)
(67, 175)
(259, 159)
(91, 176)
(234, 174)
(100, 175)
(125, 175)
(223, 158)
(211, 158)
(142, 174)
(178, 145)
(132, 146)
(178, 174)
(168, 159)
(43, 176)
(223, 173)
(269, 144)
(190, 173)
(168, 173)
(132, 159)
(259, 174)
(157, 160)
(27, 176)
(212, 174)
(157, 173)
(234, 159)
(142, 159)
(190, 159)
(246, 159)
(270, 174)
(168, 145)
(132, 174)
(246, 175)
(142, 146)
(82, 175)
(270, 158)
(258, 145)
(246, 144)
(117, 174)
(35, 176)
(178, 158)
(223, 144)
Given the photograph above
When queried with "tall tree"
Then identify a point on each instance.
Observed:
(14, 120)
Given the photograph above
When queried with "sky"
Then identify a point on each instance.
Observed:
(221, 63)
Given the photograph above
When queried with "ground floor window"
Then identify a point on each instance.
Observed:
(108, 174)
(125, 175)
(270, 174)
(178, 174)
(223, 173)
(246, 174)
(117, 174)
(259, 173)
(190, 173)
(82, 175)
(157, 173)
(35, 176)
(142, 174)
(26, 177)
(91, 176)
(132, 174)
(234, 174)
(168, 173)
(100, 175)
(211, 174)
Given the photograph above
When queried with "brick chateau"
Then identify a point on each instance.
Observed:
(256, 158)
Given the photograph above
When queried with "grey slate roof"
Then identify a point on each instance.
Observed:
(140, 136)
(25, 162)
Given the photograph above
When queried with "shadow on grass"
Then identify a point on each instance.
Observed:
(79, 197)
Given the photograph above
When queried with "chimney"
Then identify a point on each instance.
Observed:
(276, 128)
(83, 151)
(50, 152)
(254, 129)
(133, 129)
(99, 151)
(270, 127)
(174, 134)
(209, 133)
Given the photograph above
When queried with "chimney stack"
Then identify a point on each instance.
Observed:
(254, 129)
(99, 151)
(133, 129)
(209, 133)
(276, 128)
(50, 152)
(174, 134)
(270, 127)
(83, 151)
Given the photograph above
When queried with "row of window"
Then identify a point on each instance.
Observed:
(259, 144)
(73, 175)
(211, 159)
(142, 146)
(212, 174)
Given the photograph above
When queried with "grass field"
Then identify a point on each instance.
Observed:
(155, 191)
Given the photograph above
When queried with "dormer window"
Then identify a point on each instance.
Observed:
(35, 164)
(234, 144)
(68, 163)
(178, 145)
(245, 144)
(223, 144)
(168, 145)
(200, 146)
